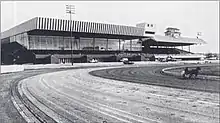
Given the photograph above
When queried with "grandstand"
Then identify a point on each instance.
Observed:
(47, 40)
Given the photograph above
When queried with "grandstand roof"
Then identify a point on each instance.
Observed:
(55, 26)
(169, 39)
(51, 24)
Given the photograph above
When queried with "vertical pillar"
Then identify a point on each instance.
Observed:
(46, 40)
(189, 48)
(93, 43)
(75, 43)
(107, 45)
(130, 45)
(123, 46)
(40, 42)
(64, 45)
(34, 41)
(79, 43)
(119, 44)
(141, 45)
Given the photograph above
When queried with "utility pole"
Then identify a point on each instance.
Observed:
(70, 9)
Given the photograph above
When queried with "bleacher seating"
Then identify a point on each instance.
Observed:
(163, 51)
(183, 51)
(167, 51)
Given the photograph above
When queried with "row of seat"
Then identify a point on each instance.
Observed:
(163, 51)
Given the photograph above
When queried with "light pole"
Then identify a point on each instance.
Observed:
(70, 9)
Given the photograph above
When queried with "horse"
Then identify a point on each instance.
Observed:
(190, 72)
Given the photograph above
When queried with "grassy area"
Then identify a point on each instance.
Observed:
(205, 70)
(212, 70)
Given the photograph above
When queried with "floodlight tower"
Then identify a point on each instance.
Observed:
(70, 9)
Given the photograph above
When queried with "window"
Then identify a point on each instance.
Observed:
(55, 43)
(86, 43)
(67, 43)
(34, 42)
(100, 43)
(42, 42)
(113, 44)
(49, 43)
(61, 43)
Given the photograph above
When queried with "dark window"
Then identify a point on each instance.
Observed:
(147, 32)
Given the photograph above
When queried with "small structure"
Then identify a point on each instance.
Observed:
(172, 32)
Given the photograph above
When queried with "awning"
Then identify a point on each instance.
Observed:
(168, 39)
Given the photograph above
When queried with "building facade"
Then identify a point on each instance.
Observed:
(48, 40)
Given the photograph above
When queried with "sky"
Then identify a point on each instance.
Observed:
(190, 17)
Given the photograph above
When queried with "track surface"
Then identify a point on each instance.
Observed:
(8, 113)
(8, 92)
(152, 75)
(77, 96)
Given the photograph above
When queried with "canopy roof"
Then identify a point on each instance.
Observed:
(159, 39)
(60, 25)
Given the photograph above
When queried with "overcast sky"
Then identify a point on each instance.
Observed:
(189, 17)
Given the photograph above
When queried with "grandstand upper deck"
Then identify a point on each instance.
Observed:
(51, 26)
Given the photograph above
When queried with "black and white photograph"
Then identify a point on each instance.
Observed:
(110, 62)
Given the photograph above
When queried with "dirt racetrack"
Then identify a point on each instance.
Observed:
(8, 83)
(75, 95)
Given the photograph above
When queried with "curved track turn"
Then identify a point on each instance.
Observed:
(76, 96)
